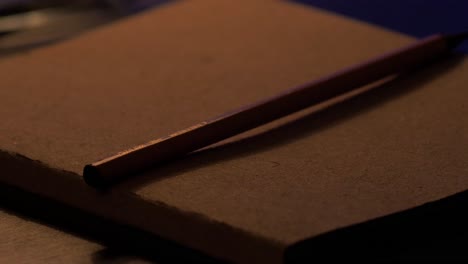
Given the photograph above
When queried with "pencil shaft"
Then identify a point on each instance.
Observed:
(124, 164)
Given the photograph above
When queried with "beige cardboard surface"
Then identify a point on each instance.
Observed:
(136, 80)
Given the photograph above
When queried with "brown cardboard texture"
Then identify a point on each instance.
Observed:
(250, 197)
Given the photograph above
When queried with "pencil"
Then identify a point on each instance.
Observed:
(128, 163)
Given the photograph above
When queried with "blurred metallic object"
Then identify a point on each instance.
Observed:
(22, 21)
(27, 30)
(25, 24)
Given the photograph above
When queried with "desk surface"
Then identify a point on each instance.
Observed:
(25, 241)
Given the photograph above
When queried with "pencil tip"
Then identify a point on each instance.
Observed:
(455, 39)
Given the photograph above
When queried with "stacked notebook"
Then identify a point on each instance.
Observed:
(252, 197)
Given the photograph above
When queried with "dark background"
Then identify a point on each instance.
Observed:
(418, 18)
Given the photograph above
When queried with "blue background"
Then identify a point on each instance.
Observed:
(418, 18)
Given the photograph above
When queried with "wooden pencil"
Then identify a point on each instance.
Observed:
(128, 163)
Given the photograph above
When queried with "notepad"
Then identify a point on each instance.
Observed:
(249, 198)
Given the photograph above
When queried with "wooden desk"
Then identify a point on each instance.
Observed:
(24, 241)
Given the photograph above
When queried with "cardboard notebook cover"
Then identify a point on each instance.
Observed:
(251, 197)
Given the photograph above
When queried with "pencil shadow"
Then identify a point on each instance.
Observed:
(435, 231)
(430, 232)
(121, 243)
(304, 126)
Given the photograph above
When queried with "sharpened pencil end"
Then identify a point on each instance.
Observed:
(455, 39)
